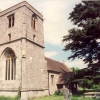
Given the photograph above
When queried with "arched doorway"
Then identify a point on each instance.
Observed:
(8, 60)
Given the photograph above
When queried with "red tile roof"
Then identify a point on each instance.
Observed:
(64, 77)
(56, 66)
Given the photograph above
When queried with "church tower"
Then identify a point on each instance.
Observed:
(22, 62)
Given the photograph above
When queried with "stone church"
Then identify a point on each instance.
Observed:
(22, 61)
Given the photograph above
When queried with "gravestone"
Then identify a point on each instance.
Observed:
(66, 93)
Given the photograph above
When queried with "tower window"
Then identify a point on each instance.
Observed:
(34, 37)
(9, 36)
(52, 79)
(11, 20)
(33, 21)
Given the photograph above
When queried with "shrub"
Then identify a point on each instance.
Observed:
(95, 86)
(58, 92)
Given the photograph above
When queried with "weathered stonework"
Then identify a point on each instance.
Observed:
(31, 71)
(52, 85)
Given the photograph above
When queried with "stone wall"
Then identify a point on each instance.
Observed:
(52, 85)
(30, 31)
(35, 67)
(31, 68)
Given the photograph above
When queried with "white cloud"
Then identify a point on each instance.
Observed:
(76, 63)
(51, 53)
(56, 24)
(54, 27)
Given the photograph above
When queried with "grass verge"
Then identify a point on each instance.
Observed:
(52, 97)
(74, 97)
(9, 98)
(81, 97)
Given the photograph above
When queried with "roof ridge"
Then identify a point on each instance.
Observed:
(54, 60)
(56, 65)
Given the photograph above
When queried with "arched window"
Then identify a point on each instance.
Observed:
(10, 68)
(33, 21)
(11, 20)
(10, 64)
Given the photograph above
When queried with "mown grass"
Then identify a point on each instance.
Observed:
(9, 98)
(78, 96)
(81, 97)
(74, 97)
(52, 97)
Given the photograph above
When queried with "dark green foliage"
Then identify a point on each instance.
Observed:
(86, 83)
(58, 93)
(84, 41)
(75, 69)
(96, 86)
(85, 78)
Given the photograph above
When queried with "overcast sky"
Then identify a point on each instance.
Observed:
(56, 25)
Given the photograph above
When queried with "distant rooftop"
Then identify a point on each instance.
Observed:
(56, 66)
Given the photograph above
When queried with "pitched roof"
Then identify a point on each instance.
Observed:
(64, 77)
(56, 66)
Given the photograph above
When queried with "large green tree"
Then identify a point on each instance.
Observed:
(86, 78)
(84, 41)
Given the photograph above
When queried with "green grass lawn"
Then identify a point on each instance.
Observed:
(52, 97)
(75, 97)
(78, 96)
(81, 97)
